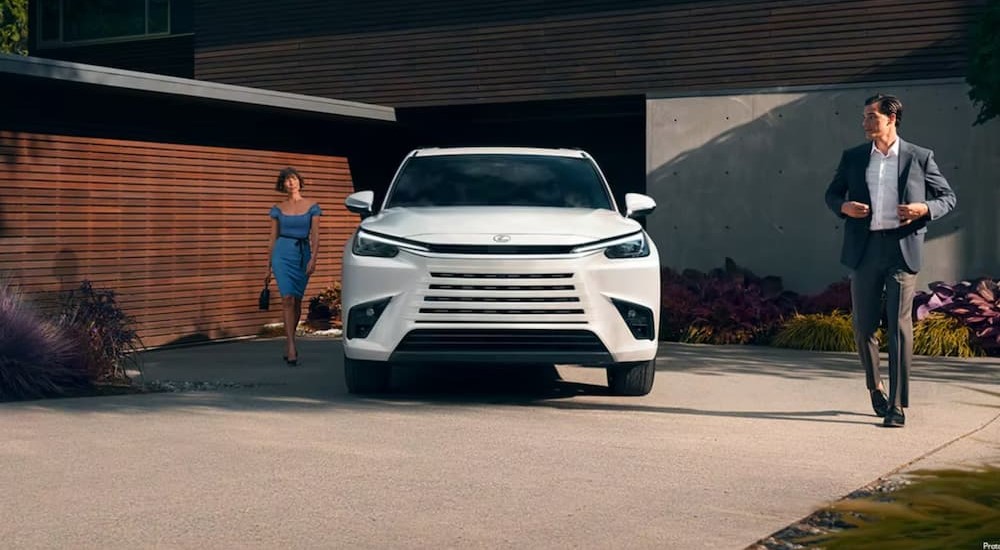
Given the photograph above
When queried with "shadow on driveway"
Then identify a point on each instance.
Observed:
(808, 365)
(250, 376)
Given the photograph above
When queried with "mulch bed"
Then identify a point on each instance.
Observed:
(823, 522)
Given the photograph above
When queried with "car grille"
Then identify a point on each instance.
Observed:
(456, 297)
(501, 341)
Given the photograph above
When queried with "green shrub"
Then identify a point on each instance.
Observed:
(942, 335)
(940, 509)
(822, 332)
(937, 334)
(36, 358)
(817, 332)
(707, 334)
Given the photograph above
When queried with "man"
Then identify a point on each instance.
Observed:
(886, 190)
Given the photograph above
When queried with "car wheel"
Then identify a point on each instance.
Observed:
(366, 376)
(632, 378)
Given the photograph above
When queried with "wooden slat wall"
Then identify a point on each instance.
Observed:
(178, 231)
(172, 55)
(464, 51)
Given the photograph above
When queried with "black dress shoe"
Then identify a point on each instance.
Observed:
(894, 419)
(880, 403)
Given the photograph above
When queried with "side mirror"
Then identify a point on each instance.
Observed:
(360, 203)
(638, 205)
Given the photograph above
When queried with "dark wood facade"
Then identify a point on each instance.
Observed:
(444, 52)
(169, 55)
(178, 231)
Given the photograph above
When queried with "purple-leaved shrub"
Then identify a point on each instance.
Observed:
(105, 334)
(976, 304)
(36, 358)
(728, 305)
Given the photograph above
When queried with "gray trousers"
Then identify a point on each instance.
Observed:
(882, 270)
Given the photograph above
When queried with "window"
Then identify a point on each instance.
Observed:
(72, 21)
(499, 180)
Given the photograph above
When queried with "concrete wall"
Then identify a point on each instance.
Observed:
(743, 176)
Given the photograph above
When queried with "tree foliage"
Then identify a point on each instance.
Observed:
(14, 26)
(984, 67)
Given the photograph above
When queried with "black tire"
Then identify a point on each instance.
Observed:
(632, 378)
(366, 376)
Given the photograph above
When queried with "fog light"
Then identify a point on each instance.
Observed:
(361, 318)
(639, 319)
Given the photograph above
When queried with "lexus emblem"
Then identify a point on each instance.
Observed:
(501, 238)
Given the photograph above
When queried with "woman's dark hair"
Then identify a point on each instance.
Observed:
(887, 105)
(284, 174)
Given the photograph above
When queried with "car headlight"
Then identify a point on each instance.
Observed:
(369, 244)
(630, 246)
(635, 248)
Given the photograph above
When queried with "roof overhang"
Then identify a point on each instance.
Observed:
(147, 82)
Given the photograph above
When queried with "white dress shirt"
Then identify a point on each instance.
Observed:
(882, 177)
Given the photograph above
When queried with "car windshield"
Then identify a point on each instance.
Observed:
(499, 180)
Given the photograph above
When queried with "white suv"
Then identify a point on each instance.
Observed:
(512, 255)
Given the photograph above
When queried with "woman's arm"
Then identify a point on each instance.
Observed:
(270, 244)
(313, 244)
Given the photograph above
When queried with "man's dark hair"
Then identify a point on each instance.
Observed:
(887, 105)
(284, 175)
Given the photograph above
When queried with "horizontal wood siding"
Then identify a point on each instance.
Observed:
(178, 231)
(457, 51)
(171, 55)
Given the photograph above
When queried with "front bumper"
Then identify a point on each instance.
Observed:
(501, 308)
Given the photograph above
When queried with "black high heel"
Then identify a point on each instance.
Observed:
(292, 362)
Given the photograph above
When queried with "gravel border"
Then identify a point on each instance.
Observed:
(824, 521)
(176, 386)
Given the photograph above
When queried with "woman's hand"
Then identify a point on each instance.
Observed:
(310, 267)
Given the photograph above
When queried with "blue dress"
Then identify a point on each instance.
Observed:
(291, 253)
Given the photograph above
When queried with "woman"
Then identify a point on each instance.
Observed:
(294, 238)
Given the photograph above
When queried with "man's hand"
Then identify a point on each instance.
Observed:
(855, 209)
(913, 211)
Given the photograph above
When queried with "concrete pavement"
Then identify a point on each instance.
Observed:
(733, 444)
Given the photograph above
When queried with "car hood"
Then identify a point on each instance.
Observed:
(507, 225)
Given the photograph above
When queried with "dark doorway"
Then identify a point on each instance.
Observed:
(612, 130)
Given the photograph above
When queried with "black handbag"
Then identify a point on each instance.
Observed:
(264, 302)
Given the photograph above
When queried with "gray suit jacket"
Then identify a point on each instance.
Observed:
(920, 180)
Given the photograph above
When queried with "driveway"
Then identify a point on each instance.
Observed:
(733, 444)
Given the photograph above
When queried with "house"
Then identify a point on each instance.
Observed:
(730, 113)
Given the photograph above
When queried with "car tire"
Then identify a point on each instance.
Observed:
(632, 378)
(366, 376)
